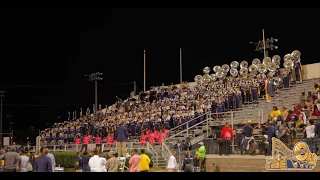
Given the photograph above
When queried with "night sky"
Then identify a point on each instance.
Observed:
(45, 53)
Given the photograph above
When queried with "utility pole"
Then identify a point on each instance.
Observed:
(1, 116)
(144, 71)
(134, 88)
(265, 45)
(95, 77)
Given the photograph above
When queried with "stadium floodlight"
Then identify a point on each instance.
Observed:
(95, 77)
(265, 45)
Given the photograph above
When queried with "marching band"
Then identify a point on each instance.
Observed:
(166, 107)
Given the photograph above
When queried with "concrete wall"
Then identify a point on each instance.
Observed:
(238, 163)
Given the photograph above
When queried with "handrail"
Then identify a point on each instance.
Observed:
(188, 121)
(154, 151)
(186, 130)
(165, 151)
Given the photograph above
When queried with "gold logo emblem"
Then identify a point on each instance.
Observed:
(283, 158)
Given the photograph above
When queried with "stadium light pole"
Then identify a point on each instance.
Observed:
(265, 45)
(144, 70)
(1, 115)
(180, 65)
(95, 77)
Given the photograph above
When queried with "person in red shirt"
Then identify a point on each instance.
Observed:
(227, 135)
(98, 142)
(85, 142)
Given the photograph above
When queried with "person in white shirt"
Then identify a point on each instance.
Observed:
(96, 163)
(172, 162)
(310, 129)
(24, 160)
(103, 161)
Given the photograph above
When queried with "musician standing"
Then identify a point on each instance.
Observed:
(286, 79)
(255, 92)
(268, 89)
(298, 69)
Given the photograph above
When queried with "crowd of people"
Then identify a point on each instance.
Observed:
(13, 160)
(282, 124)
(150, 116)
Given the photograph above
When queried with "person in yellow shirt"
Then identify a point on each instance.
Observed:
(275, 112)
(284, 113)
(144, 162)
(316, 89)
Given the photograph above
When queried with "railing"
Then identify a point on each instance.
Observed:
(155, 156)
(256, 113)
(185, 123)
(262, 146)
(166, 153)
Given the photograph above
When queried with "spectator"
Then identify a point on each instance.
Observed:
(144, 162)
(24, 160)
(78, 165)
(201, 152)
(227, 136)
(53, 160)
(85, 162)
(96, 163)
(121, 136)
(113, 163)
(11, 161)
(134, 161)
(172, 162)
(187, 164)
(43, 163)
(275, 112)
(284, 113)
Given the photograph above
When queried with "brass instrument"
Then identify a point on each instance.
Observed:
(219, 74)
(287, 57)
(216, 68)
(272, 67)
(266, 61)
(277, 80)
(288, 64)
(261, 76)
(243, 72)
(276, 59)
(206, 70)
(225, 68)
(256, 62)
(296, 54)
(253, 68)
(262, 68)
(198, 79)
(244, 64)
(213, 77)
(234, 72)
(234, 64)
